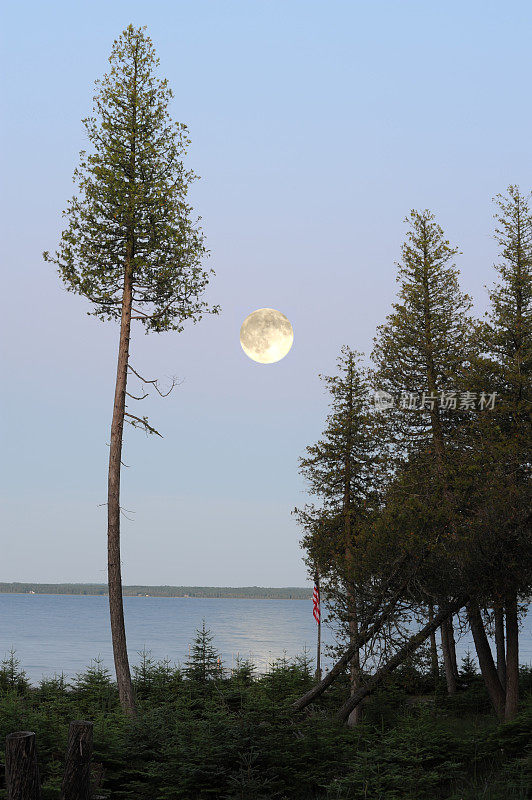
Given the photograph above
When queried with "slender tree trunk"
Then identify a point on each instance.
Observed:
(116, 608)
(485, 660)
(434, 667)
(410, 647)
(343, 662)
(447, 648)
(512, 659)
(452, 648)
(317, 674)
(447, 633)
(354, 666)
(499, 643)
(364, 636)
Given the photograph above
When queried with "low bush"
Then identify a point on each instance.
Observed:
(204, 733)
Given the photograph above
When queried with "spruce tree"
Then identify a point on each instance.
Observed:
(506, 367)
(341, 470)
(421, 354)
(204, 663)
(508, 328)
(426, 344)
(133, 249)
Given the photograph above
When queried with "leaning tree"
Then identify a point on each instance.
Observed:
(133, 249)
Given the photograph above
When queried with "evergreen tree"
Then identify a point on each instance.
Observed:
(12, 677)
(341, 470)
(426, 344)
(132, 248)
(421, 354)
(94, 687)
(204, 663)
(506, 443)
(508, 328)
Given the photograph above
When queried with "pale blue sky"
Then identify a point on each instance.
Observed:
(316, 127)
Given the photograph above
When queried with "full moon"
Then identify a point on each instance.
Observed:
(266, 335)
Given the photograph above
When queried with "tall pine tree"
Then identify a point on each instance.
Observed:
(132, 248)
(341, 470)
(421, 354)
(506, 367)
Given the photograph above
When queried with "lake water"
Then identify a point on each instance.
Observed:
(54, 633)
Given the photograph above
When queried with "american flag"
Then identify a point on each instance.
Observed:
(316, 603)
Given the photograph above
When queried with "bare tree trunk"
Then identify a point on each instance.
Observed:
(76, 783)
(410, 647)
(317, 674)
(447, 648)
(452, 648)
(366, 635)
(22, 770)
(116, 608)
(354, 665)
(485, 660)
(342, 663)
(500, 643)
(512, 659)
(434, 667)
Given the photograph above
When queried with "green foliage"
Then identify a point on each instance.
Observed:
(286, 679)
(251, 780)
(514, 737)
(427, 341)
(204, 662)
(52, 688)
(243, 671)
(157, 681)
(503, 442)
(181, 749)
(94, 688)
(341, 470)
(131, 211)
(12, 677)
(508, 329)
(468, 672)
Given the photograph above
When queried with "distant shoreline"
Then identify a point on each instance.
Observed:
(196, 592)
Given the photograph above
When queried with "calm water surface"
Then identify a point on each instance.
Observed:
(54, 633)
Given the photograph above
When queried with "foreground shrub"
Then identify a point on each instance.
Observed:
(205, 733)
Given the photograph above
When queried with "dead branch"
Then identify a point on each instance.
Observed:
(141, 422)
(144, 316)
(154, 382)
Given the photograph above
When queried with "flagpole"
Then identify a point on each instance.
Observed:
(318, 654)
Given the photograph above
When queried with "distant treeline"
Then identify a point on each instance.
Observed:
(258, 592)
